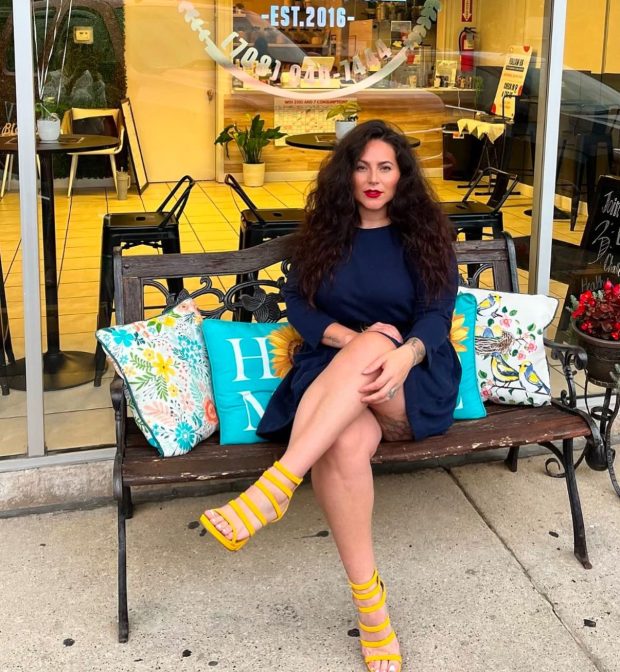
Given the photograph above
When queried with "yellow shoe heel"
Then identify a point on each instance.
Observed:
(250, 506)
(367, 591)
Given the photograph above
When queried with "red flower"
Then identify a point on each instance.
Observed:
(598, 312)
(210, 411)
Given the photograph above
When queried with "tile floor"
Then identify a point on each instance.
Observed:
(82, 416)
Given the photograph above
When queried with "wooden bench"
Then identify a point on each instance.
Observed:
(138, 464)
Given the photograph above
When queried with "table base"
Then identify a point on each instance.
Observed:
(60, 371)
(557, 213)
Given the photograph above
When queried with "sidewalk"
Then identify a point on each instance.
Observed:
(478, 564)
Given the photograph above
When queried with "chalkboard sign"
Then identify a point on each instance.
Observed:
(602, 234)
(135, 152)
(598, 256)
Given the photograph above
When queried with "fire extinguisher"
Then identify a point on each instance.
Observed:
(467, 48)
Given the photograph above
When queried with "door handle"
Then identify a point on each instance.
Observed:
(210, 94)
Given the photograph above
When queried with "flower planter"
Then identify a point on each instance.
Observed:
(343, 127)
(48, 129)
(603, 355)
(253, 174)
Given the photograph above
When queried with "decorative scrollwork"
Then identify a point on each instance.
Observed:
(248, 296)
(474, 281)
(572, 358)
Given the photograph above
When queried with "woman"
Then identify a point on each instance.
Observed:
(371, 290)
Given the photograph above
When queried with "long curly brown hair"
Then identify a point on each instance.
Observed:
(326, 235)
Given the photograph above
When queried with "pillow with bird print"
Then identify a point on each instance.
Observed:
(511, 362)
(248, 361)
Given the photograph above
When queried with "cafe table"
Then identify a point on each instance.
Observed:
(326, 141)
(61, 368)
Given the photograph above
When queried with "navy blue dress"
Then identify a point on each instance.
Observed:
(375, 284)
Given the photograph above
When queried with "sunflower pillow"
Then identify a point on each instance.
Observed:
(469, 405)
(248, 361)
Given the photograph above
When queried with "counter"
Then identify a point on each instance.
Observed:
(417, 111)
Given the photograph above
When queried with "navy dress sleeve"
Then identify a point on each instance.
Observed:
(432, 320)
(310, 322)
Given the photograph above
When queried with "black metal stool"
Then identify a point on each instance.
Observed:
(591, 129)
(6, 347)
(258, 225)
(471, 217)
(128, 229)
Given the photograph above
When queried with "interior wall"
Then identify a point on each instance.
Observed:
(498, 25)
(612, 50)
(585, 34)
(168, 77)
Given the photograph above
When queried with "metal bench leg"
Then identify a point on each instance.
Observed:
(579, 531)
(512, 459)
(123, 617)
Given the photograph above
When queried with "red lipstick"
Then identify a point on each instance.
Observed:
(372, 193)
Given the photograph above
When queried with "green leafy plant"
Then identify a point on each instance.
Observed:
(47, 108)
(250, 141)
(348, 111)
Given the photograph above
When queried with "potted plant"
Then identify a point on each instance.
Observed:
(48, 123)
(596, 321)
(348, 111)
(250, 142)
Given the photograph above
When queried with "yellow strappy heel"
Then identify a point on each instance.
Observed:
(367, 591)
(233, 544)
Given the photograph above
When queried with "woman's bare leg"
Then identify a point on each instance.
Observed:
(330, 405)
(343, 484)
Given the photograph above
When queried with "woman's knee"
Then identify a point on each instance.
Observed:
(368, 345)
(359, 440)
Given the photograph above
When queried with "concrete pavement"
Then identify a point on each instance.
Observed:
(478, 564)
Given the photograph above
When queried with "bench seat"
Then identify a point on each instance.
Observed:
(504, 427)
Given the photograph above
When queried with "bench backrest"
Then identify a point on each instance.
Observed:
(211, 277)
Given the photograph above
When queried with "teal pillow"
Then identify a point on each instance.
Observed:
(248, 360)
(469, 405)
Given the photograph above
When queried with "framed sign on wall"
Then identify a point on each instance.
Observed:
(135, 153)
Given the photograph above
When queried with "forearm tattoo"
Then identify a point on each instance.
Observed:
(419, 351)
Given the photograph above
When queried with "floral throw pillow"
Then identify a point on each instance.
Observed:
(511, 361)
(164, 364)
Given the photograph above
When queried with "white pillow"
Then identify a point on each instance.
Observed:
(511, 362)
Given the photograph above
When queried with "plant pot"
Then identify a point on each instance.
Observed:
(603, 356)
(343, 127)
(253, 174)
(48, 129)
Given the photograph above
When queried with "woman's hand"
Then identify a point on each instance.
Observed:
(394, 367)
(387, 329)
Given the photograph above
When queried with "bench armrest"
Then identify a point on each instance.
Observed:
(573, 358)
(119, 404)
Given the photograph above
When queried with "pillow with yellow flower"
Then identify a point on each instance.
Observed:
(248, 360)
(469, 405)
(164, 364)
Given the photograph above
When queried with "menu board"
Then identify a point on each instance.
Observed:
(511, 81)
(301, 116)
(602, 233)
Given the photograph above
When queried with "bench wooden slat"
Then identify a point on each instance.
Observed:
(505, 426)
